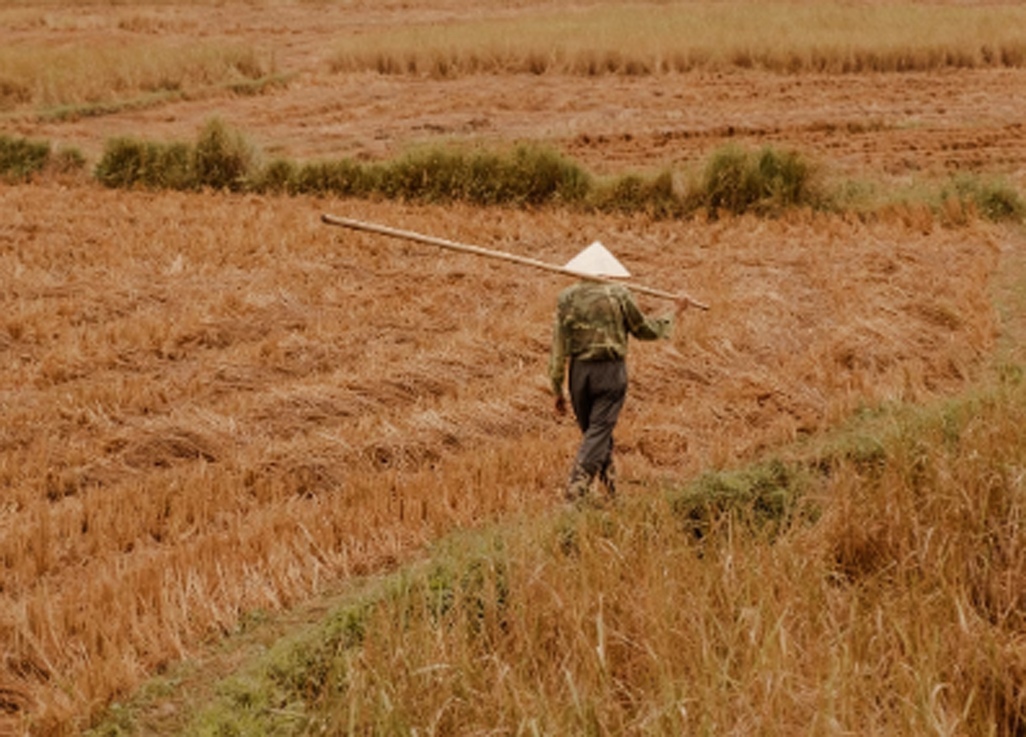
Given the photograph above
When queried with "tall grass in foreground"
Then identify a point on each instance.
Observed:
(875, 587)
(646, 39)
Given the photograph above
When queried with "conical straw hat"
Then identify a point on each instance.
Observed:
(596, 260)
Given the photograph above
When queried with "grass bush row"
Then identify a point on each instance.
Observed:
(734, 180)
(23, 158)
(222, 159)
(524, 176)
(20, 158)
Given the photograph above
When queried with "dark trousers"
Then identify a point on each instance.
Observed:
(597, 393)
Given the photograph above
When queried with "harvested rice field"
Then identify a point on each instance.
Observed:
(214, 404)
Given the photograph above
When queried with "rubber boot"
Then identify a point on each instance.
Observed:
(577, 485)
(607, 477)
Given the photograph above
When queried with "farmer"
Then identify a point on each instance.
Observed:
(593, 320)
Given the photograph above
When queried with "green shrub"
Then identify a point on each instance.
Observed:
(784, 179)
(432, 176)
(536, 175)
(487, 180)
(20, 158)
(278, 177)
(738, 181)
(222, 158)
(633, 193)
(527, 176)
(625, 194)
(123, 162)
(766, 497)
(345, 178)
(726, 184)
(127, 162)
(993, 200)
(171, 167)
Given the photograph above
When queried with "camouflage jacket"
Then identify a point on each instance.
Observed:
(593, 320)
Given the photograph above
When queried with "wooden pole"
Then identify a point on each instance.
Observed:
(501, 255)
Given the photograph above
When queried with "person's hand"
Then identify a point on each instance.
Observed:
(560, 405)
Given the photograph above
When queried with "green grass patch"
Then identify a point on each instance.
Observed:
(525, 176)
(221, 158)
(993, 199)
(522, 176)
(128, 162)
(736, 180)
(656, 195)
(766, 498)
(77, 111)
(20, 158)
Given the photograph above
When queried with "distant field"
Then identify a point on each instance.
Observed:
(76, 75)
(680, 37)
(895, 90)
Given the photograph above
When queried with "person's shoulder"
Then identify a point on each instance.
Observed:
(568, 293)
(588, 290)
(620, 292)
(576, 290)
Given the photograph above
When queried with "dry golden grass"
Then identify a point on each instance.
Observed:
(655, 38)
(44, 77)
(896, 609)
(215, 404)
(67, 59)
